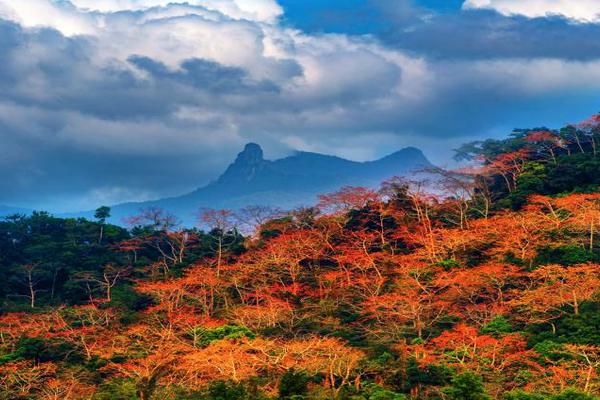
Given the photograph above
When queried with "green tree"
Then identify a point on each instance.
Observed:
(102, 214)
(293, 383)
(466, 386)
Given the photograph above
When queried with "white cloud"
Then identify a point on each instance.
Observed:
(84, 17)
(333, 66)
(44, 13)
(580, 10)
(255, 10)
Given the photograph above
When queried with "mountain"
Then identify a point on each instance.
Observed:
(285, 183)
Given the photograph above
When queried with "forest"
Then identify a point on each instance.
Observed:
(475, 283)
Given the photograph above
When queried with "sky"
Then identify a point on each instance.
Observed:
(105, 101)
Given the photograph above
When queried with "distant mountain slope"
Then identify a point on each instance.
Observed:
(286, 183)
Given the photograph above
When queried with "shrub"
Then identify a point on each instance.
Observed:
(497, 326)
(202, 337)
(466, 386)
(44, 350)
(292, 384)
(118, 389)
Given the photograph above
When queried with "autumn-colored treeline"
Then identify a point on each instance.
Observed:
(479, 283)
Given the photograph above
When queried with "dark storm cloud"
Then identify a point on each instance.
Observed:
(441, 29)
(40, 166)
(480, 34)
(204, 75)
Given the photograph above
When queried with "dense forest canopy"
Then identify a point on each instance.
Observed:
(480, 284)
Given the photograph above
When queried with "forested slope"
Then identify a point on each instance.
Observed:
(484, 287)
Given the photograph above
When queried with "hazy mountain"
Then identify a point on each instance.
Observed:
(286, 183)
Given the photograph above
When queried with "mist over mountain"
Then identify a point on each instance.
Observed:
(286, 183)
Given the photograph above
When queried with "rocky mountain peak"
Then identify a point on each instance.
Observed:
(247, 164)
(251, 155)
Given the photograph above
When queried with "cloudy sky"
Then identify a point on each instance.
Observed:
(103, 101)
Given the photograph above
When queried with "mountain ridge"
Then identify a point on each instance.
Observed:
(288, 182)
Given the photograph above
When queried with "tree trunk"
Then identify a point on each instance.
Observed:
(592, 227)
(31, 288)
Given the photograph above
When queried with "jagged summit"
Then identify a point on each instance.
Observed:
(289, 182)
(245, 167)
(251, 155)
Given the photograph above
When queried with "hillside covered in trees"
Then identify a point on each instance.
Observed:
(481, 284)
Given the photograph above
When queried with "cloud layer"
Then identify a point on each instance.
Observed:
(581, 10)
(106, 101)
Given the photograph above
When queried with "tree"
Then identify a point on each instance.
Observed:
(346, 199)
(585, 213)
(554, 290)
(466, 386)
(465, 348)
(159, 231)
(107, 279)
(459, 187)
(155, 219)
(590, 129)
(510, 166)
(478, 294)
(251, 218)
(102, 214)
(223, 233)
(587, 362)
(293, 383)
(546, 143)
(31, 279)
(148, 371)
(413, 303)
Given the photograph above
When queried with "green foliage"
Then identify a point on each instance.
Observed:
(293, 384)
(530, 182)
(202, 337)
(466, 386)
(61, 251)
(57, 249)
(575, 168)
(550, 350)
(43, 350)
(102, 213)
(448, 264)
(497, 326)
(583, 328)
(564, 255)
(571, 173)
(221, 390)
(569, 394)
(127, 298)
(417, 375)
(117, 389)
(227, 391)
(520, 395)
(572, 394)
(376, 392)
